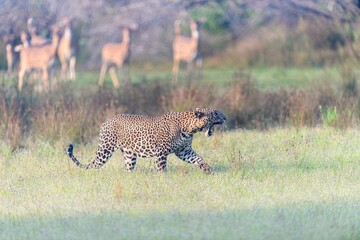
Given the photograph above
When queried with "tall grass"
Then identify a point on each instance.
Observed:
(76, 116)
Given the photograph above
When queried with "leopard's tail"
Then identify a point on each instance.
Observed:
(73, 158)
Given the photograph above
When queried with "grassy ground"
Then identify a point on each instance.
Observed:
(266, 78)
(278, 184)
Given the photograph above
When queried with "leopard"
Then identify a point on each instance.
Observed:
(142, 136)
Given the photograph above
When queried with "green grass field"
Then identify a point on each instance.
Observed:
(276, 184)
(268, 78)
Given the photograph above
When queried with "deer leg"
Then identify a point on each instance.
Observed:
(126, 73)
(199, 67)
(114, 78)
(190, 70)
(45, 78)
(175, 70)
(53, 80)
(21, 79)
(9, 58)
(63, 68)
(102, 74)
(9, 70)
(72, 67)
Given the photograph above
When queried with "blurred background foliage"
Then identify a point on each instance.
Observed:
(233, 32)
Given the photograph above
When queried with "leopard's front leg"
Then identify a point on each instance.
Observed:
(188, 155)
(130, 161)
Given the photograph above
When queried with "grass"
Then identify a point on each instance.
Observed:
(273, 78)
(277, 184)
(268, 78)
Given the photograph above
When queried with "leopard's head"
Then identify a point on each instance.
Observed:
(206, 119)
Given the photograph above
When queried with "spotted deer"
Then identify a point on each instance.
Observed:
(66, 50)
(38, 57)
(184, 48)
(114, 55)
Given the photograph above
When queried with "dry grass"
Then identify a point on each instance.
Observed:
(76, 117)
(277, 184)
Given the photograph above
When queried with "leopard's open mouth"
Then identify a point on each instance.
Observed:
(210, 130)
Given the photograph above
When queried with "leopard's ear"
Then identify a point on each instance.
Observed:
(198, 113)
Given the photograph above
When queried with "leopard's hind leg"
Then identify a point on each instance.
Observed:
(107, 145)
(103, 154)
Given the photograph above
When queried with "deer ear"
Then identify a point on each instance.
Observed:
(199, 114)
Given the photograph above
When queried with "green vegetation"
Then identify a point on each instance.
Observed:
(266, 78)
(277, 184)
(215, 15)
(251, 98)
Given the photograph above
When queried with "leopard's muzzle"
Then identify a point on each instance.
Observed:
(219, 120)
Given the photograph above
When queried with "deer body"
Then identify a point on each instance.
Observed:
(66, 51)
(114, 54)
(184, 48)
(35, 40)
(37, 57)
(38, 40)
